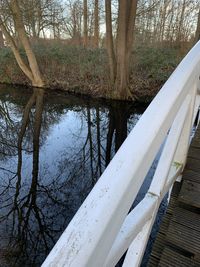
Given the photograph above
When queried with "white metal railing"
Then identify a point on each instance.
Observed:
(101, 231)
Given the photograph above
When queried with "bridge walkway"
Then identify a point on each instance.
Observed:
(178, 240)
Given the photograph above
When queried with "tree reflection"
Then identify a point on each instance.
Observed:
(24, 208)
(40, 193)
(118, 120)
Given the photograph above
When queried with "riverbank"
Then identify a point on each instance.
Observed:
(85, 71)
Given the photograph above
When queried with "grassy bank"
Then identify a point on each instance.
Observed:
(85, 71)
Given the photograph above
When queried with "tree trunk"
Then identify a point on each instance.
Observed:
(19, 26)
(96, 23)
(119, 62)
(110, 134)
(36, 131)
(122, 71)
(126, 23)
(197, 34)
(110, 43)
(98, 141)
(24, 124)
(1, 39)
(85, 24)
(90, 144)
(180, 25)
(20, 61)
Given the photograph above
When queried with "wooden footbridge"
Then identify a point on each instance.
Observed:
(103, 229)
(178, 240)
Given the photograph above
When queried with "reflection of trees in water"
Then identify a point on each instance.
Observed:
(36, 209)
(117, 128)
(21, 210)
(6, 132)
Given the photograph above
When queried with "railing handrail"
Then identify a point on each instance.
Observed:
(88, 239)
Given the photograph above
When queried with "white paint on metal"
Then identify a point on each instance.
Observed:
(136, 250)
(132, 225)
(137, 218)
(174, 173)
(166, 159)
(184, 141)
(133, 256)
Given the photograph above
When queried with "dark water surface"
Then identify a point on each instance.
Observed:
(53, 149)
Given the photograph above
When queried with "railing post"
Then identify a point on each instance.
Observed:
(184, 141)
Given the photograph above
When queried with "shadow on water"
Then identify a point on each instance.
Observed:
(53, 149)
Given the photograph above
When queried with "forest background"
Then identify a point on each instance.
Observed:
(112, 49)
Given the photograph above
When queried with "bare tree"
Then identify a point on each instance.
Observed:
(85, 23)
(74, 19)
(197, 33)
(110, 42)
(119, 61)
(1, 40)
(31, 70)
(160, 22)
(96, 23)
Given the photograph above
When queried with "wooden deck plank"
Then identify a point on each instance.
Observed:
(194, 152)
(159, 245)
(191, 176)
(153, 262)
(165, 223)
(184, 238)
(171, 258)
(190, 194)
(193, 164)
(186, 218)
(172, 205)
(175, 190)
(178, 241)
(196, 142)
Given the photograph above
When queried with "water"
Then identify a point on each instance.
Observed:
(53, 149)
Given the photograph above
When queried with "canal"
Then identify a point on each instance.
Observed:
(53, 149)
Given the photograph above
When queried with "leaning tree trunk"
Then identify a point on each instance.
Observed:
(20, 29)
(26, 69)
(31, 70)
